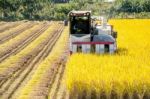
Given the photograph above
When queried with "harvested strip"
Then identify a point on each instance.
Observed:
(55, 86)
(18, 30)
(9, 26)
(2, 23)
(61, 92)
(13, 43)
(23, 64)
(15, 62)
(10, 35)
(46, 48)
(21, 41)
(10, 31)
(39, 84)
(43, 54)
(27, 61)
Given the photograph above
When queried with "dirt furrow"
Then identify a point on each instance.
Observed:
(24, 43)
(61, 91)
(27, 70)
(17, 32)
(53, 82)
(60, 82)
(57, 88)
(56, 82)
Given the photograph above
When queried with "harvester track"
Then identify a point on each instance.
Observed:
(57, 89)
(23, 74)
(23, 44)
(53, 86)
(17, 32)
(61, 91)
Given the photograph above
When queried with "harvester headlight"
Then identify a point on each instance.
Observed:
(71, 14)
(87, 13)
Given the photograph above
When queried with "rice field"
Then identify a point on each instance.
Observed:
(35, 63)
(32, 59)
(124, 75)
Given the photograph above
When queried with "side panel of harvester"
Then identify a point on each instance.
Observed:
(79, 47)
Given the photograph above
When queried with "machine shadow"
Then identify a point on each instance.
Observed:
(121, 51)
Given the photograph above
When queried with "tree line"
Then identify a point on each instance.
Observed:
(136, 8)
(59, 9)
(34, 9)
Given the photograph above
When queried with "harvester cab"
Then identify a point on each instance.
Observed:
(88, 36)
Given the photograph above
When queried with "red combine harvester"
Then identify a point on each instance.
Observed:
(87, 36)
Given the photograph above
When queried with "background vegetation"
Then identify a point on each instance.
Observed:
(130, 9)
(58, 9)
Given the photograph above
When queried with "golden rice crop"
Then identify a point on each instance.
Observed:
(126, 71)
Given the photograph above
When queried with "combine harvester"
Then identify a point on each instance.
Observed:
(88, 36)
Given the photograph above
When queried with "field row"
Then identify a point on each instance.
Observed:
(30, 57)
(48, 71)
(5, 26)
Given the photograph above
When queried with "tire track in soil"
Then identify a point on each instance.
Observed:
(23, 44)
(62, 92)
(17, 32)
(46, 88)
(57, 88)
(27, 70)
(57, 84)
